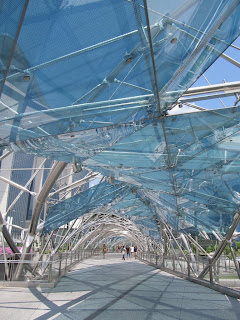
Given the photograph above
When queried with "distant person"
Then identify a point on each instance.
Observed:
(104, 250)
(123, 253)
(132, 250)
(135, 252)
(128, 251)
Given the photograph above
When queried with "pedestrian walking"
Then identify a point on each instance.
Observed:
(128, 251)
(123, 253)
(104, 250)
(135, 252)
(132, 251)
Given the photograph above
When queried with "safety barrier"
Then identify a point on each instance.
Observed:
(44, 268)
(185, 268)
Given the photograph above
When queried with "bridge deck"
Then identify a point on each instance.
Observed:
(113, 289)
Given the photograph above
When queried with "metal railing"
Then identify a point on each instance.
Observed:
(222, 274)
(49, 268)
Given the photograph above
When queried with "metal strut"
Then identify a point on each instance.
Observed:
(57, 170)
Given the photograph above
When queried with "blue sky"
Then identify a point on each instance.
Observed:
(221, 70)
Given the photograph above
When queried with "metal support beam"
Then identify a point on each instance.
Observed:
(178, 245)
(205, 97)
(26, 185)
(73, 54)
(56, 171)
(75, 184)
(18, 186)
(195, 106)
(176, 257)
(197, 245)
(235, 260)
(231, 60)
(213, 88)
(5, 155)
(190, 253)
(14, 45)
(7, 236)
(203, 41)
(4, 255)
(43, 249)
(222, 245)
(10, 241)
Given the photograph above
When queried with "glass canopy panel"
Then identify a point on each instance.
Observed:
(135, 208)
(140, 159)
(57, 64)
(75, 122)
(89, 93)
(105, 198)
(196, 34)
(200, 189)
(203, 151)
(10, 14)
(129, 205)
(88, 200)
(80, 144)
(68, 65)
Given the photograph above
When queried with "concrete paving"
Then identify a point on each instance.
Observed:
(112, 289)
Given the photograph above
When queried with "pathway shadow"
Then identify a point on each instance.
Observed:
(131, 290)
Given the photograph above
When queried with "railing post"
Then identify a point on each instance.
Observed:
(210, 270)
(60, 264)
(188, 265)
(50, 269)
(163, 261)
(197, 255)
(66, 260)
(235, 260)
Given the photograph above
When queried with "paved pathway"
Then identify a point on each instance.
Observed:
(112, 289)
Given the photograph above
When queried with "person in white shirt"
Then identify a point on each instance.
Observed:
(132, 250)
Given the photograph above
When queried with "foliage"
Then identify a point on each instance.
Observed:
(210, 249)
(238, 244)
(227, 252)
(193, 247)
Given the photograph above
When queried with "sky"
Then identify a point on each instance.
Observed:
(221, 70)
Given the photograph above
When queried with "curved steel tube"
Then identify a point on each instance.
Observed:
(56, 171)
(8, 237)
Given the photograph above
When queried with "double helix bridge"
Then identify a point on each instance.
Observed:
(119, 124)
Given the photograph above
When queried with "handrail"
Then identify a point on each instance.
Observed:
(57, 266)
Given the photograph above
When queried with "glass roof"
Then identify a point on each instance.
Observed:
(93, 81)
(103, 198)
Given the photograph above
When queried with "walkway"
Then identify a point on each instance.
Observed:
(111, 289)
